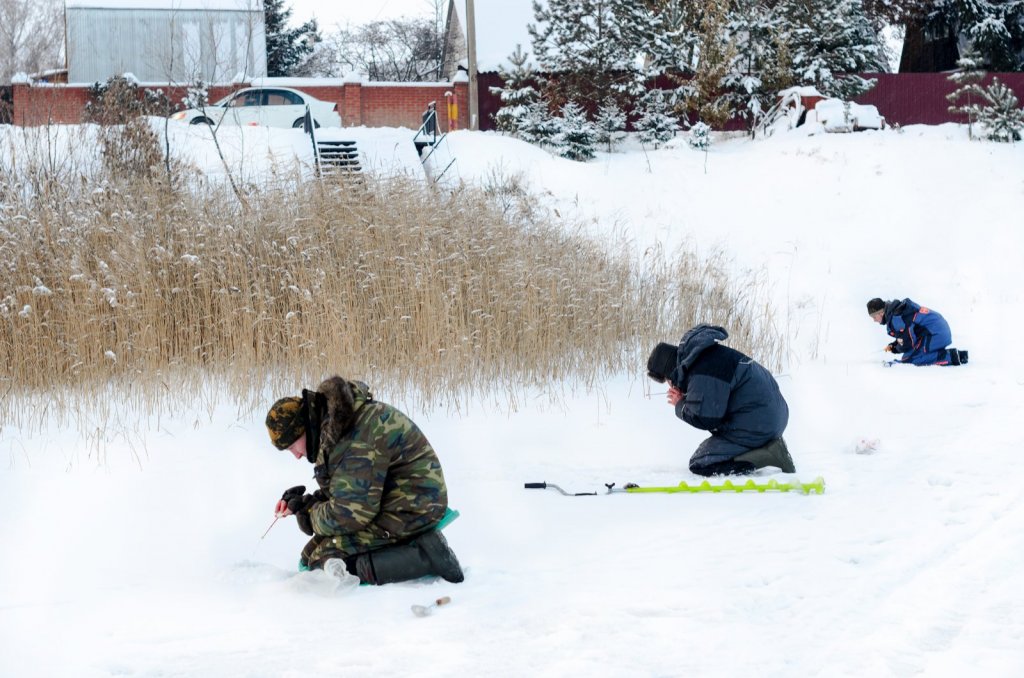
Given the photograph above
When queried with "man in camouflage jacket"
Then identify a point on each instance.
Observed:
(381, 488)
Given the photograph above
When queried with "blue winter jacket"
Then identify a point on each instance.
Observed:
(727, 392)
(922, 334)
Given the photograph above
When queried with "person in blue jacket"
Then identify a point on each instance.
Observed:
(921, 334)
(718, 389)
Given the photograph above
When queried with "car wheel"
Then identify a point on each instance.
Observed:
(201, 121)
(298, 123)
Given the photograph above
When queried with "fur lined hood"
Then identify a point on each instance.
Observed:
(343, 399)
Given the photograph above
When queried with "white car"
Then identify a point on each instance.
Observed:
(266, 106)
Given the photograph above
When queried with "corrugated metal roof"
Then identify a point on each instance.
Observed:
(221, 5)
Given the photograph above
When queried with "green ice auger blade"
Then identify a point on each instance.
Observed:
(816, 486)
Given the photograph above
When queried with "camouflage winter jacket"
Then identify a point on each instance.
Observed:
(375, 466)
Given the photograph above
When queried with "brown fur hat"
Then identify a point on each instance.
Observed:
(340, 412)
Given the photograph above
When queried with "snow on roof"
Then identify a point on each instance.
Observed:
(802, 90)
(235, 5)
(500, 26)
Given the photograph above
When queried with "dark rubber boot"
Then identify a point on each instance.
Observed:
(426, 555)
(442, 559)
(774, 453)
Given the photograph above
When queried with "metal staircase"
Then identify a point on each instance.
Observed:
(331, 157)
(335, 157)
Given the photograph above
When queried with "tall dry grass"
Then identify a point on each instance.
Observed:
(134, 289)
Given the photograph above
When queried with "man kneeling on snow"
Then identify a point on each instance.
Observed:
(921, 334)
(718, 389)
(382, 491)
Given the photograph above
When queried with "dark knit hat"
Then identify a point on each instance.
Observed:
(286, 422)
(875, 305)
(662, 362)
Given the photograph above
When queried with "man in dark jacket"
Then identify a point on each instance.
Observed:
(921, 334)
(718, 389)
(382, 492)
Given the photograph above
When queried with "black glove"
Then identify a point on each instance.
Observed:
(896, 347)
(299, 504)
(293, 492)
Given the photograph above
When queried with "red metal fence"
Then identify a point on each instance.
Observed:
(903, 98)
(920, 98)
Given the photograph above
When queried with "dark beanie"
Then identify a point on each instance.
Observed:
(875, 305)
(662, 362)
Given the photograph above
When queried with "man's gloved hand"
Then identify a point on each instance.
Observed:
(300, 505)
(281, 507)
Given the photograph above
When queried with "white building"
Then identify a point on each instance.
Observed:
(166, 41)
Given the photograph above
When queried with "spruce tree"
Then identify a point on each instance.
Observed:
(762, 67)
(516, 95)
(656, 124)
(610, 123)
(1001, 116)
(667, 33)
(581, 44)
(967, 76)
(286, 47)
(577, 137)
(830, 46)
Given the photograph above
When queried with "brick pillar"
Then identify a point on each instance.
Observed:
(461, 88)
(19, 103)
(352, 103)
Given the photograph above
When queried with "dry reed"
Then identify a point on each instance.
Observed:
(134, 289)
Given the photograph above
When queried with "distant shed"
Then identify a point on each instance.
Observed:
(174, 41)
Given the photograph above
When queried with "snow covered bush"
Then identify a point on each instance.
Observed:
(538, 126)
(1002, 118)
(997, 110)
(128, 143)
(700, 137)
(578, 135)
(656, 124)
(610, 124)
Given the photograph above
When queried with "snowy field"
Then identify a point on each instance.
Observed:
(143, 557)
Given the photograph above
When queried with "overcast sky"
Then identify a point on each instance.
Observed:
(331, 12)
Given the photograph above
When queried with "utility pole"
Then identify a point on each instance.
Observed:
(474, 103)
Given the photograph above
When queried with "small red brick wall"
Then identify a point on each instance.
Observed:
(369, 104)
(65, 104)
(376, 104)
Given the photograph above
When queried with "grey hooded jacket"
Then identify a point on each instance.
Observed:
(728, 394)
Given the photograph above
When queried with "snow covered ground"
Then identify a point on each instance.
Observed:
(142, 556)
